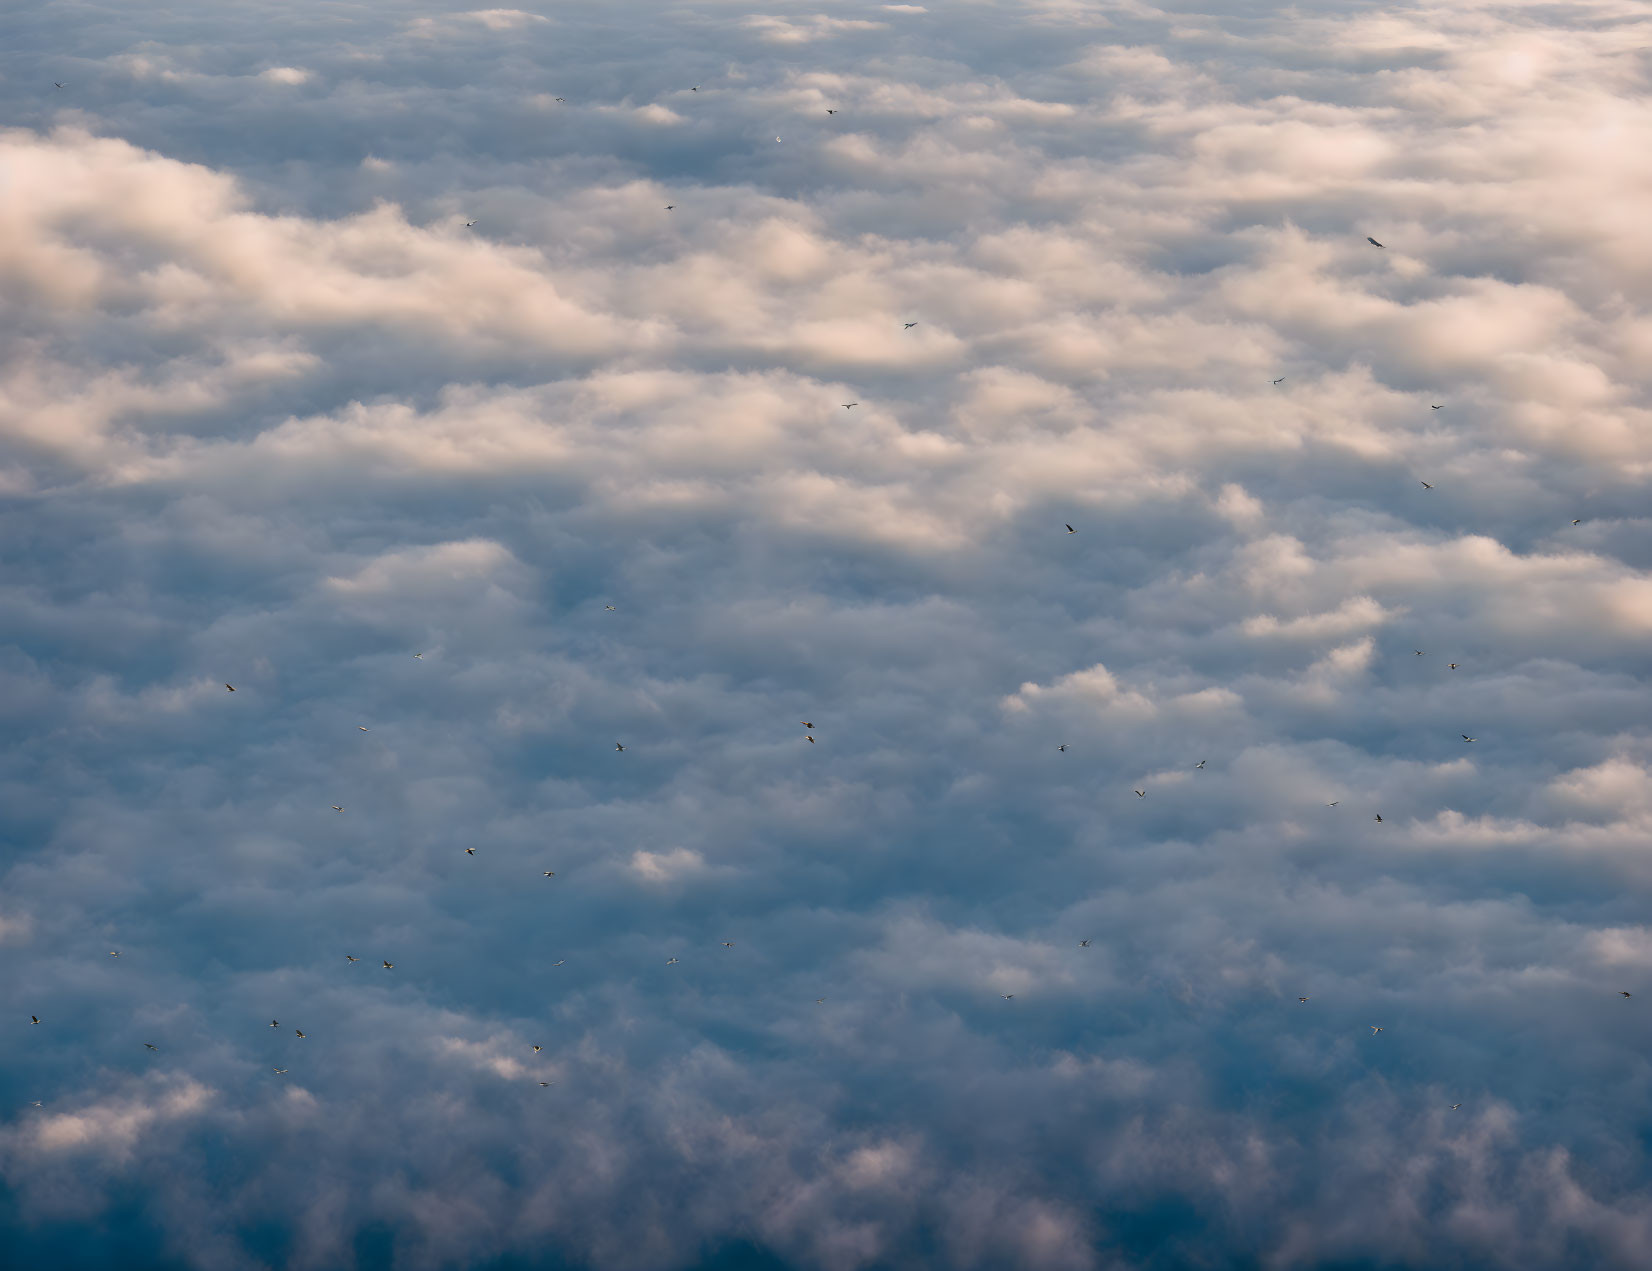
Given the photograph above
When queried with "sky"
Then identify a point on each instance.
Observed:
(478, 391)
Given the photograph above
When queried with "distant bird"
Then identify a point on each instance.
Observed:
(300, 1033)
(848, 405)
(278, 1070)
(1070, 529)
(559, 962)
(350, 958)
(537, 1049)
(389, 966)
(34, 1019)
(808, 725)
(1455, 1106)
(1374, 1029)
(550, 873)
(1141, 794)
(809, 739)
(1425, 485)
(1007, 996)
(55, 84)
(819, 1000)
(275, 1023)
(1578, 521)
(335, 807)
(1451, 666)
(777, 138)
(470, 224)
(364, 728)
(1434, 408)
(114, 953)
(1372, 241)
(909, 326)
(617, 746)
(1302, 999)
(420, 656)
(1062, 748)
(669, 206)
(1419, 652)
(1083, 944)
(1333, 803)
(1200, 764)
(728, 944)
(1465, 737)
(1622, 993)
(671, 961)
(562, 99)
(35, 1103)
(1280, 380)
(695, 89)
(610, 608)
(545, 1084)
(470, 851)
(830, 111)
(151, 1045)
(1379, 818)
(230, 687)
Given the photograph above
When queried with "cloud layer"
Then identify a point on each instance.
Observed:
(754, 407)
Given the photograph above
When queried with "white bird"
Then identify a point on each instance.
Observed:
(559, 962)
(364, 728)
(1455, 1106)
(278, 1070)
(35, 1103)
(1465, 737)
(617, 746)
(1374, 1030)
(389, 966)
(1200, 764)
(670, 961)
(420, 656)
(777, 138)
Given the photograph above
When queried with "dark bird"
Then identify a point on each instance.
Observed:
(617, 746)
(1070, 529)
(809, 739)
(1451, 666)
(848, 405)
(669, 206)
(1435, 408)
(230, 687)
(1425, 485)
(1624, 994)
(550, 873)
(1280, 380)
(728, 944)
(1455, 1106)
(1302, 999)
(1333, 803)
(830, 111)
(1062, 748)
(537, 1049)
(351, 958)
(34, 1019)
(299, 1032)
(1083, 944)
(335, 807)
(808, 725)
(1007, 996)
(1200, 764)
(470, 224)
(55, 84)
(275, 1023)
(1418, 652)
(909, 326)
(695, 89)
(1379, 818)
(389, 966)
(562, 99)
(151, 1045)
(1141, 794)
(1372, 241)
(470, 851)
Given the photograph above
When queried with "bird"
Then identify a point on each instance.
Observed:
(830, 111)
(389, 966)
(537, 1049)
(1379, 818)
(1436, 408)
(670, 961)
(470, 224)
(300, 1033)
(1372, 241)
(278, 1070)
(544, 1084)
(1425, 485)
(809, 739)
(909, 326)
(1070, 529)
(420, 656)
(1419, 652)
(728, 944)
(617, 746)
(335, 807)
(550, 873)
(275, 1023)
(1579, 521)
(849, 405)
(1451, 666)
(562, 99)
(1141, 794)
(1007, 996)
(364, 728)
(1200, 764)
(114, 953)
(559, 962)
(777, 138)
(470, 851)
(55, 84)
(1333, 803)
(34, 1019)
(819, 1001)
(1374, 1030)
(1465, 737)
(151, 1045)
(808, 725)
(610, 608)
(669, 206)
(1455, 1106)
(1623, 993)
(1083, 944)
(35, 1103)
(351, 958)
(695, 89)
(1280, 380)
(230, 687)
(1062, 748)
(1302, 999)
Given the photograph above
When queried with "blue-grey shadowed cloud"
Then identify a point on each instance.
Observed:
(273, 416)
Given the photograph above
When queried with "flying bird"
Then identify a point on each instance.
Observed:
(114, 953)
(1333, 803)
(1141, 794)
(669, 206)
(151, 1045)
(1465, 737)
(670, 961)
(819, 1000)
(278, 1070)
(830, 111)
(1374, 1029)
(1435, 408)
(335, 807)
(1062, 748)
(1007, 996)
(695, 89)
(544, 1084)
(470, 851)
(1379, 818)
(1200, 764)
(848, 405)
(1070, 529)
(34, 1019)
(1455, 1106)
(537, 1049)
(909, 326)
(389, 966)
(230, 687)
(364, 728)
(617, 746)
(1083, 944)
(420, 656)
(1302, 999)
(559, 962)
(55, 84)
(808, 725)
(35, 1103)
(1621, 993)
(728, 944)
(550, 873)
(562, 99)
(808, 739)
(1420, 653)
(610, 608)
(275, 1023)
(1280, 380)
(1372, 241)
(300, 1033)
(351, 958)
(470, 224)
(1578, 522)
(1451, 666)
(1425, 485)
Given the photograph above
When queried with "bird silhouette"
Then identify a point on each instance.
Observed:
(389, 966)
(908, 326)
(349, 958)
(617, 746)
(1302, 999)
(537, 1049)
(151, 1045)
(230, 687)
(1379, 818)
(1083, 944)
(300, 1032)
(1372, 241)
(1070, 529)
(1425, 485)
(849, 405)
(1141, 794)
(1374, 1029)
